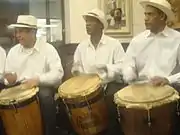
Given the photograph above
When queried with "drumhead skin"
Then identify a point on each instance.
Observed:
(16, 94)
(79, 86)
(145, 96)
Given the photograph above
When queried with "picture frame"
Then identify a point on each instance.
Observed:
(175, 6)
(119, 17)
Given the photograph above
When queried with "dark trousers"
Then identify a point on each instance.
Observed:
(2, 130)
(176, 122)
(114, 127)
(48, 109)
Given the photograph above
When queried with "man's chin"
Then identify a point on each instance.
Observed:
(22, 43)
(89, 33)
(148, 28)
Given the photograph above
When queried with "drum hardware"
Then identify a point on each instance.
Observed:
(13, 105)
(57, 109)
(105, 90)
(67, 109)
(16, 111)
(149, 118)
(26, 124)
(89, 106)
(119, 114)
(178, 108)
(90, 111)
(37, 99)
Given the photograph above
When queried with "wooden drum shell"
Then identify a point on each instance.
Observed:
(136, 121)
(22, 119)
(88, 115)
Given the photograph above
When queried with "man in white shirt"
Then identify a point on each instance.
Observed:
(36, 63)
(100, 54)
(154, 54)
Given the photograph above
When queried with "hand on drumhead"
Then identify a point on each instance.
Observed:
(32, 82)
(159, 81)
(11, 78)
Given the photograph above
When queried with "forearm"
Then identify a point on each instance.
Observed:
(51, 78)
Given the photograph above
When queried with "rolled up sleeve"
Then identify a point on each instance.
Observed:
(55, 73)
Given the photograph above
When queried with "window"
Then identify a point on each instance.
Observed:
(50, 15)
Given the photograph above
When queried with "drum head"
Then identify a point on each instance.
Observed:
(145, 94)
(16, 94)
(79, 86)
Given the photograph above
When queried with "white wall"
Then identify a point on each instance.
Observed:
(75, 25)
(138, 18)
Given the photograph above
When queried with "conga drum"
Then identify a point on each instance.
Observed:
(83, 97)
(145, 109)
(20, 111)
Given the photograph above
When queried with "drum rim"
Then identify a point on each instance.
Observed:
(147, 101)
(147, 104)
(18, 104)
(86, 92)
(19, 99)
(83, 98)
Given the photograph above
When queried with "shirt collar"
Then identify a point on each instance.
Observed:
(36, 46)
(165, 33)
(101, 42)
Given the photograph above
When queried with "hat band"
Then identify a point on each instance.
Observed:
(27, 24)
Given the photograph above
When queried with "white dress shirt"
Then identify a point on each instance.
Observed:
(150, 55)
(2, 61)
(42, 60)
(109, 54)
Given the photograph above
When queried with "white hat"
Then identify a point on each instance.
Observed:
(25, 21)
(98, 14)
(162, 5)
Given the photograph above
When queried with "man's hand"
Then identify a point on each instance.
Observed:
(11, 78)
(101, 67)
(76, 69)
(33, 82)
(159, 81)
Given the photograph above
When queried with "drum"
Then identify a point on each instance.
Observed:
(84, 99)
(144, 109)
(20, 111)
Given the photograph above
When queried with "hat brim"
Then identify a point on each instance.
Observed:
(167, 11)
(21, 26)
(102, 21)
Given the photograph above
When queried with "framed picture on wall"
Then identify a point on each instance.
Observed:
(119, 17)
(175, 4)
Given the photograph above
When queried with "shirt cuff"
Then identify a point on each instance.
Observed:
(6, 82)
(171, 80)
